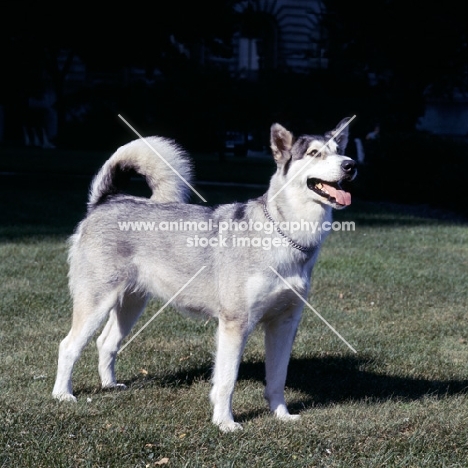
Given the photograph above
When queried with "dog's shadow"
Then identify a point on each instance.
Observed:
(322, 381)
(325, 381)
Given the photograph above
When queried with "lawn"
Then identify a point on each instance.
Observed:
(396, 288)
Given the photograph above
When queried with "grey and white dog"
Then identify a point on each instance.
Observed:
(125, 251)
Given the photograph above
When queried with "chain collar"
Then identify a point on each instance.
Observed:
(284, 235)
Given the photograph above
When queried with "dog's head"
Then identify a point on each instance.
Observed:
(314, 164)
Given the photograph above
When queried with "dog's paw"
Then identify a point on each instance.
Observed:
(230, 426)
(64, 397)
(281, 412)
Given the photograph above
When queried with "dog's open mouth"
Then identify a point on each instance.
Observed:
(333, 192)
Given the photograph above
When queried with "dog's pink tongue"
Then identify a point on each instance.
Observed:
(342, 197)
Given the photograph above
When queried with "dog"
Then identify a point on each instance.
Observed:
(114, 270)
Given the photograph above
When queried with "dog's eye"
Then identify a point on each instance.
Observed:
(313, 152)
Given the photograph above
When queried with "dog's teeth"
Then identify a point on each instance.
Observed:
(321, 187)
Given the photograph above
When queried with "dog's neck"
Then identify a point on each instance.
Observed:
(305, 249)
(305, 235)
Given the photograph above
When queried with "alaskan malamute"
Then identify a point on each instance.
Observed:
(226, 262)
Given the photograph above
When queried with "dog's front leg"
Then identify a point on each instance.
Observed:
(279, 338)
(231, 339)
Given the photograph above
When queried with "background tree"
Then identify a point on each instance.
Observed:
(38, 44)
(402, 50)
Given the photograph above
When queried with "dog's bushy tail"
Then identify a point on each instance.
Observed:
(160, 161)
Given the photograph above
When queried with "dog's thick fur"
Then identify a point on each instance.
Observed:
(113, 272)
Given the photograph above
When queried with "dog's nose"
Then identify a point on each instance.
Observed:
(349, 167)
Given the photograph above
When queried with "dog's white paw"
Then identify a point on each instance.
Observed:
(282, 413)
(230, 426)
(64, 397)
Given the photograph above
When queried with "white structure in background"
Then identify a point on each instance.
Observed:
(360, 155)
(278, 34)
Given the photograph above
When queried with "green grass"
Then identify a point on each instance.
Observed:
(396, 288)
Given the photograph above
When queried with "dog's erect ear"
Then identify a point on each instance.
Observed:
(342, 138)
(281, 141)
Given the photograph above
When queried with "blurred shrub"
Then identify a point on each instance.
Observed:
(413, 167)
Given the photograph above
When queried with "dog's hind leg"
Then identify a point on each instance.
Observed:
(87, 317)
(279, 339)
(231, 339)
(121, 320)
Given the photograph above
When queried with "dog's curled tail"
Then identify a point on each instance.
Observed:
(160, 161)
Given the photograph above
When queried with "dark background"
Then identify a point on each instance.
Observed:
(163, 67)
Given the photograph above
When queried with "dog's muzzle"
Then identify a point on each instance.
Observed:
(333, 191)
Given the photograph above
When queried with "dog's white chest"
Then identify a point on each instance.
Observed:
(267, 295)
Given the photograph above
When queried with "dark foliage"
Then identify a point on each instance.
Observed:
(415, 168)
